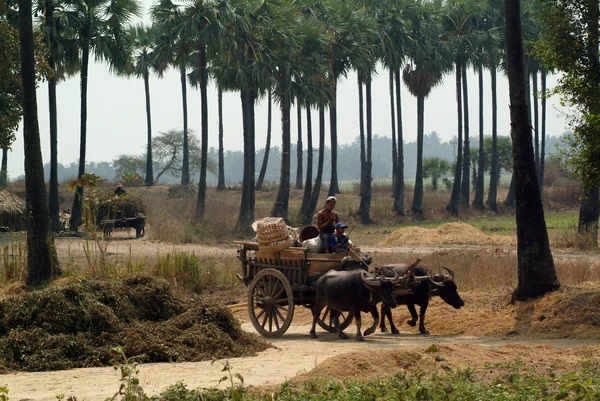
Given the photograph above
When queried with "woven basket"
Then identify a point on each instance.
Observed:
(273, 234)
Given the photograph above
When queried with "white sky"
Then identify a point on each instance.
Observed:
(117, 119)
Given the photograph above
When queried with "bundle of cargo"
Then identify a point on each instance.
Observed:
(273, 234)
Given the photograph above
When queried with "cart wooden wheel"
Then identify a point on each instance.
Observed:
(325, 323)
(270, 303)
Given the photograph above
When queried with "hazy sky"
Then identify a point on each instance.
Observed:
(117, 120)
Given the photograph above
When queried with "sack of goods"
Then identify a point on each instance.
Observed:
(272, 234)
(313, 245)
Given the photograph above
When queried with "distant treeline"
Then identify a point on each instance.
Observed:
(348, 166)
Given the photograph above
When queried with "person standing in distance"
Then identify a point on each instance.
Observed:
(326, 221)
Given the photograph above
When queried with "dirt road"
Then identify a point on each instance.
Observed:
(295, 353)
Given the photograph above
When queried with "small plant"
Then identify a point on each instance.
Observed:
(3, 393)
(130, 389)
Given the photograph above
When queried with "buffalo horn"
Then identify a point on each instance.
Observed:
(435, 283)
(449, 271)
(371, 282)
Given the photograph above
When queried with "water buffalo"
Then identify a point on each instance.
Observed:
(443, 286)
(352, 291)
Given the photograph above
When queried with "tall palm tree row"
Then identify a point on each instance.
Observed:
(297, 51)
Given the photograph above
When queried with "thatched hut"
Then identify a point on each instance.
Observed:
(12, 212)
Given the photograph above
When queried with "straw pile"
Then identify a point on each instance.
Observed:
(110, 206)
(450, 233)
(12, 212)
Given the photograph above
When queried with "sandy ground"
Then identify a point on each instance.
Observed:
(295, 354)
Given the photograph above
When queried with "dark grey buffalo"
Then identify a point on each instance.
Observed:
(353, 291)
(436, 285)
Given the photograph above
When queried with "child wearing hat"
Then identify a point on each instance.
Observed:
(339, 241)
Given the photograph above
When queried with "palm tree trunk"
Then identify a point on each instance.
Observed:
(494, 168)
(280, 208)
(246, 215)
(221, 181)
(299, 169)
(417, 206)
(364, 209)
(53, 200)
(149, 171)
(334, 187)
(314, 198)
(305, 218)
(542, 161)
(263, 168)
(200, 204)
(453, 205)
(466, 182)
(185, 168)
(361, 130)
(510, 197)
(537, 275)
(393, 119)
(478, 200)
(76, 211)
(536, 140)
(42, 263)
(589, 211)
(4, 168)
(399, 183)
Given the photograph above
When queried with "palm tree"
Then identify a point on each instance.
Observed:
(42, 263)
(299, 147)
(428, 63)
(343, 22)
(298, 52)
(263, 168)
(98, 27)
(221, 180)
(488, 44)
(60, 61)
(143, 61)
(238, 65)
(493, 57)
(393, 35)
(537, 275)
(314, 198)
(174, 48)
(452, 206)
(308, 185)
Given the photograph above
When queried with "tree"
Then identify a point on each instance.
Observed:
(570, 43)
(299, 152)
(263, 168)
(537, 275)
(11, 109)
(42, 262)
(221, 179)
(143, 61)
(435, 168)
(428, 62)
(98, 27)
(174, 46)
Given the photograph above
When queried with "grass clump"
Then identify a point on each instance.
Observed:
(460, 385)
(77, 324)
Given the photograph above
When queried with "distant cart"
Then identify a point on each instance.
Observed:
(278, 281)
(138, 223)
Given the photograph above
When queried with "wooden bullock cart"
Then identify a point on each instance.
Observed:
(278, 281)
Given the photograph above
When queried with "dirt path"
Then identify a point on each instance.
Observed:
(295, 353)
(124, 245)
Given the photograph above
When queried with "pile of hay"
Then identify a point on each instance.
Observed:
(450, 233)
(77, 325)
(107, 205)
(12, 212)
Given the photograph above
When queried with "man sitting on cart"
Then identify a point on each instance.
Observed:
(339, 241)
(326, 221)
